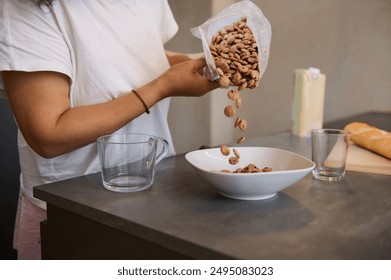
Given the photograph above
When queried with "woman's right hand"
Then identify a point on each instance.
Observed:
(186, 79)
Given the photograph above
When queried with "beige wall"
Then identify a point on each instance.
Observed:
(350, 41)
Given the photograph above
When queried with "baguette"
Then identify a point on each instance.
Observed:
(370, 138)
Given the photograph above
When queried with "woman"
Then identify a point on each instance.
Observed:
(74, 70)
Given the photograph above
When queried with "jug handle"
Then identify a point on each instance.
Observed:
(164, 149)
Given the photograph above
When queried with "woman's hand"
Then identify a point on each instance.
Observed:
(186, 79)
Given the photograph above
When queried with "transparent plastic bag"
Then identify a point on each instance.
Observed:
(256, 21)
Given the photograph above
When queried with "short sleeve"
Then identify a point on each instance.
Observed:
(169, 26)
(31, 40)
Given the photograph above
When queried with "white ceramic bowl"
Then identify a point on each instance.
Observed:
(288, 168)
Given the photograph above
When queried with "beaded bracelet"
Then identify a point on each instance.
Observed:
(142, 101)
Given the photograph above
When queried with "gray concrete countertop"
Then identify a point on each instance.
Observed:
(311, 219)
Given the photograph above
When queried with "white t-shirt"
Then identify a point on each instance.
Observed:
(106, 47)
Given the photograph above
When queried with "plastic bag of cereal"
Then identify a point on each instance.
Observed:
(228, 32)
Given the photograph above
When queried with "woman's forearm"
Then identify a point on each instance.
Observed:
(40, 102)
(51, 128)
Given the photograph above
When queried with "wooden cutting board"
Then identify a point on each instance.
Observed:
(362, 160)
